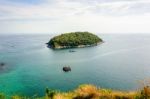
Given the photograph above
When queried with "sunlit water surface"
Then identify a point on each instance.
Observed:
(120, 63)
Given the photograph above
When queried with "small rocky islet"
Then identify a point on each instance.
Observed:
(66, 68)
(74, 40)
(2, 64)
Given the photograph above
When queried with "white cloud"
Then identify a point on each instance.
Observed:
(117, 16)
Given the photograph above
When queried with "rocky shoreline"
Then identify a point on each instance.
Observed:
(79, 46)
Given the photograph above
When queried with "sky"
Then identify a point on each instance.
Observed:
(59, 16)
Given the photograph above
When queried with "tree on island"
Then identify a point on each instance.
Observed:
(74, 39)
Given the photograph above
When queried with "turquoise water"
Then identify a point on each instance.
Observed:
(120, 63)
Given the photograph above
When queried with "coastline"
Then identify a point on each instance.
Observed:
(87, 91)
(79, 46)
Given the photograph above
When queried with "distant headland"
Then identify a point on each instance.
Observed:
(74, 40)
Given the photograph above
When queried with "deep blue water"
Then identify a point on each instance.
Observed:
(120, 63)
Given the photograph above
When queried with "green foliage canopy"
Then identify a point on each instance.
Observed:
(74, 39)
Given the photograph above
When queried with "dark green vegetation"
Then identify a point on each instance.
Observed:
(74, 39)
(88, 92)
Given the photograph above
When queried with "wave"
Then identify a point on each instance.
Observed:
(98, 56)
(116, 52)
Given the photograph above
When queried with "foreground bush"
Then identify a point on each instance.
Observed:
(88, 92)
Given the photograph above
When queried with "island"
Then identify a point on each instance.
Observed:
(74, 40)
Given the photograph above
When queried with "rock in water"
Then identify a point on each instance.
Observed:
(2, 64)
(66, 69)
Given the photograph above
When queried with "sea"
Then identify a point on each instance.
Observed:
(122, 62)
